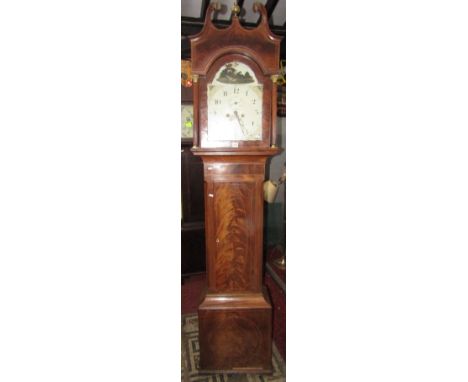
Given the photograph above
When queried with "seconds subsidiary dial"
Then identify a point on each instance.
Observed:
(235, 104)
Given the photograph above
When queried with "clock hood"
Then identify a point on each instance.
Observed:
(260, 44)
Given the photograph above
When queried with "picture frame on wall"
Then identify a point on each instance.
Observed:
(186, 120)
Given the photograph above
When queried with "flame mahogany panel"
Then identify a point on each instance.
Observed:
(233, 207)
(234, 221)
(232, 339)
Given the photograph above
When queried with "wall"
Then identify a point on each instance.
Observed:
(275, 212)
(277, 163)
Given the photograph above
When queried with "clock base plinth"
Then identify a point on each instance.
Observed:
(235, 333)
(242, 370)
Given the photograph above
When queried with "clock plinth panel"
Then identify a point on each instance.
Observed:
(235, 333)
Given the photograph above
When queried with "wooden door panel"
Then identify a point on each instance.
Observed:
(233, 218)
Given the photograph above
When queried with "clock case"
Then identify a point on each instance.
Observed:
(235, 312)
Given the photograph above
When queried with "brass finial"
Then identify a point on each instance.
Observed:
(235, 8)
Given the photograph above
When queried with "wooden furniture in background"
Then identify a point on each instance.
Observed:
(235, 315)
(193, 217)
(193, 214)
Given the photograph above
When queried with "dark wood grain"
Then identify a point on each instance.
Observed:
(236, 337)
(233, 210)
(234, 193)
(234, 305)
(192, 186)
(192, 248)
(212, 42)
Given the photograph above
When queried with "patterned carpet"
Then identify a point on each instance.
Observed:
(190, 358)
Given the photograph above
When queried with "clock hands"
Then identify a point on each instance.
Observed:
(238, 118)
(241, 124)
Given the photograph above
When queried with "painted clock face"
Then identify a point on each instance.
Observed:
(235, 101)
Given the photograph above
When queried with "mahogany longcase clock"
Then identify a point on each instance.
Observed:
(235, 71)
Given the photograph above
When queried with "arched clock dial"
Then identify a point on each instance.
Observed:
(235, 104)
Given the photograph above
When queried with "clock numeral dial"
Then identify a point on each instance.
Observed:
(234, 100)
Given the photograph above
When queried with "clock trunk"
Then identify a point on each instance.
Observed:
(235, 314)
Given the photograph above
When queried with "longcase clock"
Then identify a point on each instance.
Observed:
(234, 73)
